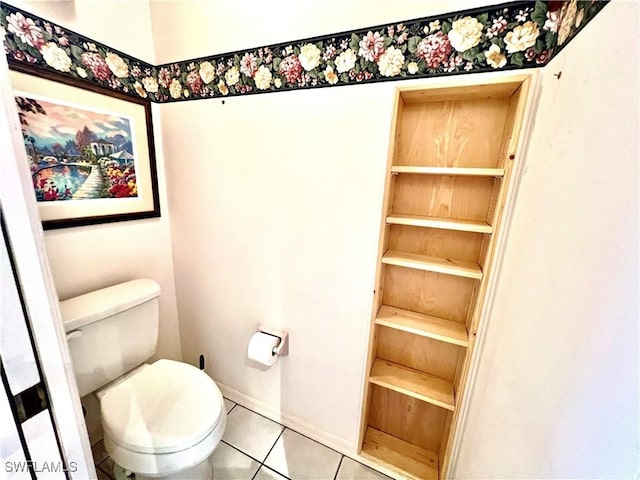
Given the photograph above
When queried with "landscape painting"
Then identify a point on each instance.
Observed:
(75, 153)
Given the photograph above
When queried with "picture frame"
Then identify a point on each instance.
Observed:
(90, 149)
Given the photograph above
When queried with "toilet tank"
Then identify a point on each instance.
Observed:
(111, 331)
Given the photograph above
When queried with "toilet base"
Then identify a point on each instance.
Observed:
(201, 471)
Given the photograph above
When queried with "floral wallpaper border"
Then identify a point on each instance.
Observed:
(521, 34)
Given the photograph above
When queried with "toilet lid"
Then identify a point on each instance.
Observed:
(166, 407)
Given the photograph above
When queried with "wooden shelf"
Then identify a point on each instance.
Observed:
(413, 383)
(391, 452)
(432, 264)
(423, 325)
(462, 171)
(442, 223)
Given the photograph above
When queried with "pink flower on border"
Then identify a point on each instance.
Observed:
(97, 65)
(249, 64)
(291, 68)
(26, 30)
(371, 47)
(543, 57)
(164, 77)
(194, 82)
(434, 49)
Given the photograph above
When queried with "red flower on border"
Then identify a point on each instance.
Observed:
(97, 65)
(195, 82)
(434, 49)
(291, 68)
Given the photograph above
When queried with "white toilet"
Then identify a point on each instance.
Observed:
(160, 420)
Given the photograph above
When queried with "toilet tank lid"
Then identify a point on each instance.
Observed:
(85, 309)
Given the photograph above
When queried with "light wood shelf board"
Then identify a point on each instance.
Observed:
(424, 325)
(444, 296)
(463, 171)
(443, 196)
(432, 264)
(442, 223)
(413, 383)
(391, 452)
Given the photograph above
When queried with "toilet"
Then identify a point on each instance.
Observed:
(160, 420)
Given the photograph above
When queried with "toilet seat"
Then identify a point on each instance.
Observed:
(165, 417)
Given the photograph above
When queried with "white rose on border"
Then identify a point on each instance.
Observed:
(522, 37)
(82, 73)
(56, 57)
(330, 75)
(391, 62)
(232, 76)
(175, 88)
(465, 33)
(309, 56)
(495, 57)
(207, 72)
(263, 78)
(139, 90)
(346, 61)
(223, 88)
(150, 84)
(117, 65)
(412, 68)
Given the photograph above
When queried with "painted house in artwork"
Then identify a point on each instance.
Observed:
(102, 148)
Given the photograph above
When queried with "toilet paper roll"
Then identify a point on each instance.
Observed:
(261, 348)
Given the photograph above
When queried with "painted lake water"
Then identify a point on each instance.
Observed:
(59, 182)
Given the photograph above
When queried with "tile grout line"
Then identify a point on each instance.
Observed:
(271, 449)
(238, 450)
(338, 469)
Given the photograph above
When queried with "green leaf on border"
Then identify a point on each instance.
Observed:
(468, 55)
(76, 52)
(355, 42)
(413, 44)
(551, 40)
(446, 27)
(387, 41)
(517, 59)
(484, 18)
(539, 14)
(276, 63)
(11, 44)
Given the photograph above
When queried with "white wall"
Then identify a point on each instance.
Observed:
(195, 28)
(557, 389)
(87, 258)
(275, 204)
(275, 201)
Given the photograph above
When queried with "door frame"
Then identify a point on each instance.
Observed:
(26, 239)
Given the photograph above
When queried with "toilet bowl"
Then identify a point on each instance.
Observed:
(161, 420)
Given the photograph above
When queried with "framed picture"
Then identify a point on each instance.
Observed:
(90, 150)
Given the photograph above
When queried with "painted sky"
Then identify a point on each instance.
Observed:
(61, 123)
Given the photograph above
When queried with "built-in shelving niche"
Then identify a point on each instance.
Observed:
(451, 158)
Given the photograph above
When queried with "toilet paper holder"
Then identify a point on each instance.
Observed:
(283, 347)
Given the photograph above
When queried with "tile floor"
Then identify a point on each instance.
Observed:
(256, 448)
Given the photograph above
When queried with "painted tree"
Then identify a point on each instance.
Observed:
(84, 138)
